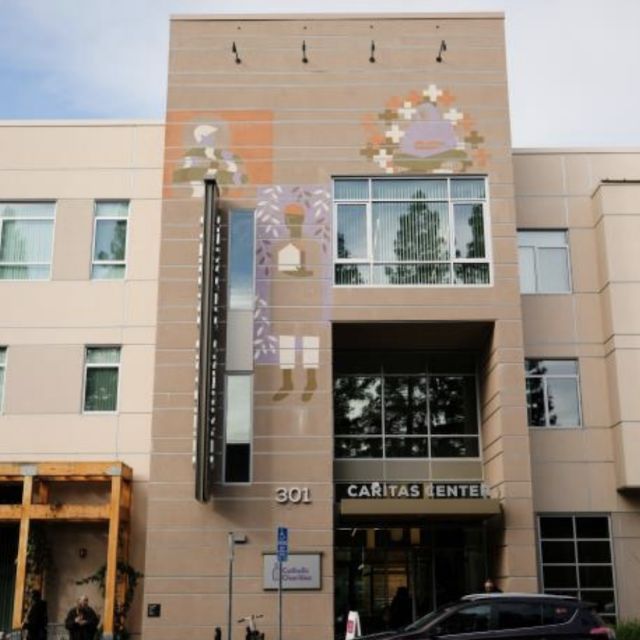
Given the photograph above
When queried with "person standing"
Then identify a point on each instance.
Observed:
(82, 621)
(491, 587)
(401, 609)
(36, 619)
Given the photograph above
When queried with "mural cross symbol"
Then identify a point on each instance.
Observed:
(432, 92)
(407, 111)
(453, 115)
(382, 157)
(395, 133)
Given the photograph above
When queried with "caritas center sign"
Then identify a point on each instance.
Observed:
(302, 571)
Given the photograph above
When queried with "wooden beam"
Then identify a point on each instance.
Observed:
(10, 512)
(21, 561)
(61, 471)
(112, 557)
(71, 512)
(66, 512)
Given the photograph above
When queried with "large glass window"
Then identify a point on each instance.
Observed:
(3, 363)
(238, 406)
(544, 262)
(238, 427)
(110, 240)
(410, 231)
(553, 398)
(390, 414)
(241, 260)
(102, 368)
(576, 559)
(26, 238)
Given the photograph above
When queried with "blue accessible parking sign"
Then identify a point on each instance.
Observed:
(283, 544)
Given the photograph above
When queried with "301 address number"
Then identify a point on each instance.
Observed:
(293, 495)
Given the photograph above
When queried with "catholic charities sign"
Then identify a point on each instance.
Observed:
(300, 571)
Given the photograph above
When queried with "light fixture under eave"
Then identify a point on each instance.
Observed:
(304, 52)
(372, 57)
(443, 48)
(234, 50)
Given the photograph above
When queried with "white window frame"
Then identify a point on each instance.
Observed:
(558, 376)
(250, 375)
(110, 263)
(452, 260)
(52, 219)
(98, 365)
(580, 591)
(535, 247)
(3, 383)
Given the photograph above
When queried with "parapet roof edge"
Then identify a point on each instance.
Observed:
(490, 15)
(62, 122)
(568, 150)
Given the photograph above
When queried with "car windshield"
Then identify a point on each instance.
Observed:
(430, 617)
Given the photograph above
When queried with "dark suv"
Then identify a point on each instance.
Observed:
(507, 615)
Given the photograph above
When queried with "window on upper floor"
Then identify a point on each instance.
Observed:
(576, 559)
(102, 369)
(411, 232)
(553, 397)
(26, 239)
(544, 262)
(110, 239)
(399, 406)
(3, 365)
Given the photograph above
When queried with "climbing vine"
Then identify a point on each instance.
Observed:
(127, 574)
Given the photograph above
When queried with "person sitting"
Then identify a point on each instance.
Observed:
(82, 621)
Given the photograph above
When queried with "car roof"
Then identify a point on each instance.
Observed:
(520, 596)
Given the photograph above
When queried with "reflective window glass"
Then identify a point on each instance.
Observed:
(576, 560)
(552, 388)
(110, 239)
(241, 259)
(26, 239)
(411, 232)
(544, 262)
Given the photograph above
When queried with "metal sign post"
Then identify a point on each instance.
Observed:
(283, 556)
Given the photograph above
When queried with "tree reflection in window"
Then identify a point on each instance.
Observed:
(405, 416)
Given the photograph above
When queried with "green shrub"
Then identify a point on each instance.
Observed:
(628, 629)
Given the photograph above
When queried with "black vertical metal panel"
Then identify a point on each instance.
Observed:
(209, 383)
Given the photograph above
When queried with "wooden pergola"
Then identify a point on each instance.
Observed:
(36, 479)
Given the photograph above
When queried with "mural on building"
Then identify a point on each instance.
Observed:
(292, 244)
(423, 132)
(227, 146)
(204, 158)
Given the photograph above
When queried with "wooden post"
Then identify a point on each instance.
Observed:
(112, 557)
(21, 562)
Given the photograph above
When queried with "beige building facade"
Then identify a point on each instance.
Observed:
(80, 219)
(333, 299)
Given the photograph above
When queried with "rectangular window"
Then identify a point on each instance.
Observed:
(102, 368)
(411, 231)
(553, 397)
(3, 365)
(238, 395)
(238, 427)
(110, 240)
(26, 239)
(544, 262)
(241, 260)
(388, 414)
(576, 559)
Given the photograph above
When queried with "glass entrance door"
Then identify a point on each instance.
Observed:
(394, 576)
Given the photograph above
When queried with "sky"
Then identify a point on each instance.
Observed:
(573, 64)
